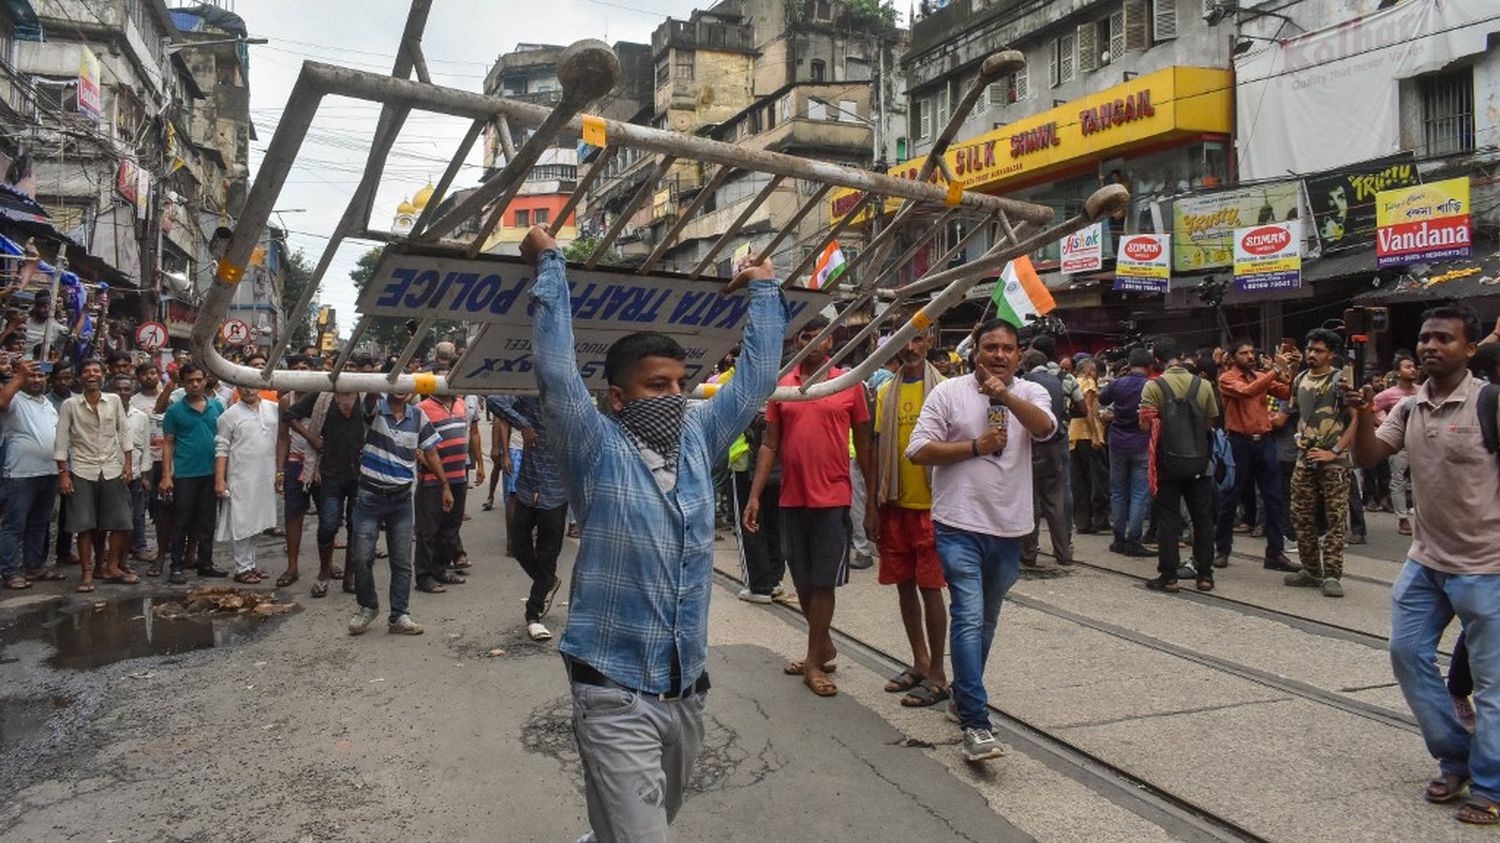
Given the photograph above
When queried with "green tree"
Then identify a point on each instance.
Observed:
(579, 251)
(297, 274)
(872, 14)
(390, 334)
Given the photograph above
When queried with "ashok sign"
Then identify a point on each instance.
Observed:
(1268, 257)
(1172, 104)
(1425, 223)
(607, 305)
(1083, 250)
(1144, 264)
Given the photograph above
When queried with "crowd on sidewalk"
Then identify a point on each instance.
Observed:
(945, 463)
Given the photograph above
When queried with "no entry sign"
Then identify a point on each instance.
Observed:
(151, 336)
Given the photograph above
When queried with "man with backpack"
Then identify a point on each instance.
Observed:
(1179, 409)
(1050, 474)
(1451, 433)
(1321, 479)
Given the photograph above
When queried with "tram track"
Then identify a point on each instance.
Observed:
(1179, 816)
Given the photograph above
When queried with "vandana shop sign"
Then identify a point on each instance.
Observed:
(606, 306)
(1268, 257)
(1422, 224)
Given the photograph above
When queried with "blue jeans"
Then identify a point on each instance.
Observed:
(980, 569)
(335, 509)
(1254, 463)
(23, 522)
(1423, 601)
(1129, 495)
(373, 510)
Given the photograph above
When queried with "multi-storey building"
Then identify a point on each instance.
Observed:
(803, 78)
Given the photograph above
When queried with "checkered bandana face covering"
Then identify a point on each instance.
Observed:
(656, 423)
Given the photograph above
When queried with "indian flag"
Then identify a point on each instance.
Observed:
(830, 266)
(1020, 293)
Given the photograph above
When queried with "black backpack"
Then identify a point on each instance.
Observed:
(1184, 449)
(1051, 383)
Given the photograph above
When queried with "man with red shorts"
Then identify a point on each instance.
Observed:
(908, 549)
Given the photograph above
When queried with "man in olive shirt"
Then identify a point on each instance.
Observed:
(1453, 567)
(1197, 492)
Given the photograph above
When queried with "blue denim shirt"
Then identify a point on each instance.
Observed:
(538, 483)
(641, 581)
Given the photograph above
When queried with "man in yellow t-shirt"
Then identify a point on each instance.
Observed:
(908, 548)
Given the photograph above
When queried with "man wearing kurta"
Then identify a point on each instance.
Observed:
(245, 479)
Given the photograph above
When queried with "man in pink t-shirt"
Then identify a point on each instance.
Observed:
(1385, 401)
(977, 432)
(811, 439)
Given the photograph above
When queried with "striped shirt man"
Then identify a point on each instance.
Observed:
(389, 459)
(449, 417)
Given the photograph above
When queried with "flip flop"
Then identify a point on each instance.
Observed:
(431, 588)
(335, 573)
(1445, 788)
(84, 587)
(124, 579)
(795, 668)
(487, 506)
(16, 583)
(822, 687)
(924, 695)
(286, 579)
(320, 588)
(47, 575)
(1477, 811)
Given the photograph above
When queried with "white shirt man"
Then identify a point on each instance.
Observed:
(245, 478)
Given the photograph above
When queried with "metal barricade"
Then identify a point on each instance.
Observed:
(494, 296)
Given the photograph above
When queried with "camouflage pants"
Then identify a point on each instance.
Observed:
(1326, 490)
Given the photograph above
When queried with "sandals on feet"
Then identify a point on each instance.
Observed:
(286, 579)
(795, 668)
(320, 588)
(461, 561)
(16, 583)
(47, 575)
(1479, 812)
(1445, 788)
(822, 686)
(925, 694)
(431, 588)
(247, 578)
(907, 679)
(84, 587)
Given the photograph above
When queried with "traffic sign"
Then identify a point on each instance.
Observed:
(151, 337)
(235, 332)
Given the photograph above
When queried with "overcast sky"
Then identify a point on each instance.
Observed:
(463, 38)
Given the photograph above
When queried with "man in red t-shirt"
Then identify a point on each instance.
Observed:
(437, 539)
(811, 439)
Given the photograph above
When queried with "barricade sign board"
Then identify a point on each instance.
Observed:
(235, 332)
(607, 304)
(151, 336)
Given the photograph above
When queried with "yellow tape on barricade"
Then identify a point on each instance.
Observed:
(921, 320)
(955, 192)
(230, 273)
(594, 132)
(425, 382)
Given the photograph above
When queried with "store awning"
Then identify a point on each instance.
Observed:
(1449, 281)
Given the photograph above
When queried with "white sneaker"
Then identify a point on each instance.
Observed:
(362, 620)
(980, 745)
(404, 625)
(538, 632)
(751, 597)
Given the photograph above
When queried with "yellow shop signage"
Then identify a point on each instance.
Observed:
(1172, 103)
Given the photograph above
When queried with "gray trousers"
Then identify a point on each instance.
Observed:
(1052, 500)
(1400, 484)
(638, 753)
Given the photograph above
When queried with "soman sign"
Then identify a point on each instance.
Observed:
(1422, 224)
(1144, 264)
(606, 305)
(1268, 257)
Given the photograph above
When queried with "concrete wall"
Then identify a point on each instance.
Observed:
(956, 61)
(719, 89)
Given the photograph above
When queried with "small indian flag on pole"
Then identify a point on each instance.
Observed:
(1020, 293)
(830, 266)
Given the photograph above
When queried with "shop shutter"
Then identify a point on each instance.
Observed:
(1137, 36)
(1164, 19)
(1088, 48)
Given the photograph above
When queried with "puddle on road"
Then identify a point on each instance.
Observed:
(22, 718)
(92, 635)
